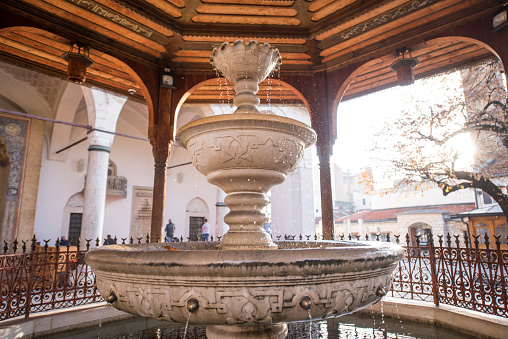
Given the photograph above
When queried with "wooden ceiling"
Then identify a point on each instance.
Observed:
(180, 34)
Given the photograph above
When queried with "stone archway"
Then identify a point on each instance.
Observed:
(354, 75)
(422, 231)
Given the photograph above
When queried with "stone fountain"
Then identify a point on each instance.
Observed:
(246, 286)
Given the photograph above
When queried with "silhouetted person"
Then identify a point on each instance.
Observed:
(170, 230)
(63, 241)
(109, 240)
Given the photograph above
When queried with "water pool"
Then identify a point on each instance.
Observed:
(356, 326)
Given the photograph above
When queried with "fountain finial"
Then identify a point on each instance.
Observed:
(245, 65)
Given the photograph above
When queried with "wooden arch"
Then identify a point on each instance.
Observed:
(483, 50)
(51, 47)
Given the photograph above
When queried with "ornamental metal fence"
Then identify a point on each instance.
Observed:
(36, 278)
(474, 276)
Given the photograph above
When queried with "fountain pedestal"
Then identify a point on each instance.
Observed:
(245, 155)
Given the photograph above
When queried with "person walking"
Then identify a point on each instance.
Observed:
(205, 230)
(170, 230)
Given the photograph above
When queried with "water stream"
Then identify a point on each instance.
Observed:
(100, 321)
(186, 326)
(310, 325)
(399, 318)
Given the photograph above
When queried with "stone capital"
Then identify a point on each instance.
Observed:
(98, 138)
(103, 109)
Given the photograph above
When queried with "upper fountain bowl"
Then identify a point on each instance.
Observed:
(240, 60)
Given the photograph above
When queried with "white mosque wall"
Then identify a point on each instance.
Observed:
(61, 180)
(183, 185)
(134, 161)
(292, 202)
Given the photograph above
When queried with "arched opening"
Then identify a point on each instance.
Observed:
(122, 77)
(196, 213)
(73, 217)
(278, 98)
(215, 97)
(432, 52)
(358, 108)
(420, 231)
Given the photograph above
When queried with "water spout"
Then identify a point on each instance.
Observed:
(111, 297)
(306, 303)
(192, 305)
(381, 292)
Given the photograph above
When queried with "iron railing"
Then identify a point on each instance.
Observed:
(44, 278)
(474, 276)
(454, 272)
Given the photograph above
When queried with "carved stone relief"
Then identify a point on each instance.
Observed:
(141, 211)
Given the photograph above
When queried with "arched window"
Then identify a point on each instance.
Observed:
(73, 217)
(111, 169)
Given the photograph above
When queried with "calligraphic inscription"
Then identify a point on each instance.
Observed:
(107, 14)
(387, 17)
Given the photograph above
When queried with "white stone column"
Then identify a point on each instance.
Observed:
(103, 111)
(221, 210)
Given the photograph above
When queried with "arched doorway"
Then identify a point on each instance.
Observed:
(420, 231)
(196, 213)
(73, 217)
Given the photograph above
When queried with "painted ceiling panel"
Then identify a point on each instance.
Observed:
(312, 36)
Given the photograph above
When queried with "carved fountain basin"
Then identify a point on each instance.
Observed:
(246, 141)
(245, 154)
(245, 287)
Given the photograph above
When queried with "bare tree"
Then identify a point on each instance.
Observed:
(422, 142)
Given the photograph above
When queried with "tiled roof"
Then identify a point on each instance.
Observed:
(391, 213)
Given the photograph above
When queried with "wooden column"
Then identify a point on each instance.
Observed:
(161, 148)
(325, 180)
(321, 123)
(161, 137)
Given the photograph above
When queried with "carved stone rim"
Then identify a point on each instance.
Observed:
(192, 257)
(245, 121)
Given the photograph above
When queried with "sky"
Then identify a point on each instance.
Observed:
(361, 118)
